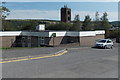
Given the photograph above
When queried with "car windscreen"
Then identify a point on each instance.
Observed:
(102, 41)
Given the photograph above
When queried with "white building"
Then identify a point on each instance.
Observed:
(49, 38)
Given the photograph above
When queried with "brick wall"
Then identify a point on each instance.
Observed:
(97, 37)
(55, 41)
(61, 40)
(17, 41)
(87, 41)
(7, 42)
(90, 40)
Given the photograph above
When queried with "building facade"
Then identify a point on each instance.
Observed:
(65, 14)
(49, 38)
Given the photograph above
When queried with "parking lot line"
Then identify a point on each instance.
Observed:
(32, 58)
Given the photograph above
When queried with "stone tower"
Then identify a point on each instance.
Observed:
(65, 14)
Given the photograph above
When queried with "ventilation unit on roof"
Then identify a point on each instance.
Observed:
(40, 27)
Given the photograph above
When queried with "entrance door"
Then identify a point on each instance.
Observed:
(42, 41)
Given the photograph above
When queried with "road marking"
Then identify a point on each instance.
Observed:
(32, 58)
(79, 48)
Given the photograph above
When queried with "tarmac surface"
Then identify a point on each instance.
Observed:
(21, 52)
(78, 62)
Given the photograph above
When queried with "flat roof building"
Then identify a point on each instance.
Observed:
(49, 38)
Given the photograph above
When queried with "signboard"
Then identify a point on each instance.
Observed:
(53, 35)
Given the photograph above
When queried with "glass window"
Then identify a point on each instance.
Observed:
(102, 41)
(109, 41)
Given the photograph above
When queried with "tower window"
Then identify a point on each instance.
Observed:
(68, 18)
(68, 12)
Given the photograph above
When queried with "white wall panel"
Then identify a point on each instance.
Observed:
(10, 33)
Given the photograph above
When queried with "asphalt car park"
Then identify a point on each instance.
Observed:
(78, 62)
(21, 52)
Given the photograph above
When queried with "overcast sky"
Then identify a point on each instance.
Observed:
(51, 10)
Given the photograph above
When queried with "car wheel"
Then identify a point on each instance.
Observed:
(111, 47)
(105, 47)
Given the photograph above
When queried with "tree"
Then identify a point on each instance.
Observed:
(87, 25)
(114, 34)
(97, 16)
(4, 12)
(105, 23)
(8, 26)
(76, 24)
(77, 18)
(29, 25)
(60, 26)
(97, 21)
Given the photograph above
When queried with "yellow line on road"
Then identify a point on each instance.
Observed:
(78, 48)
(59, 54)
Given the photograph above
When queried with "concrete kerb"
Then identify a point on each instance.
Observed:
(61, 52)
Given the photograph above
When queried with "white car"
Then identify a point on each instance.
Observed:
(104, 43)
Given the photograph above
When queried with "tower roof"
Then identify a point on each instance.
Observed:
(65, 6)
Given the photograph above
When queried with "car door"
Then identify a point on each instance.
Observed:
(109, 43)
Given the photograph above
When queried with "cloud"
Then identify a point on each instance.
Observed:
(55, 15)
(34, 14)
(60, 0)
